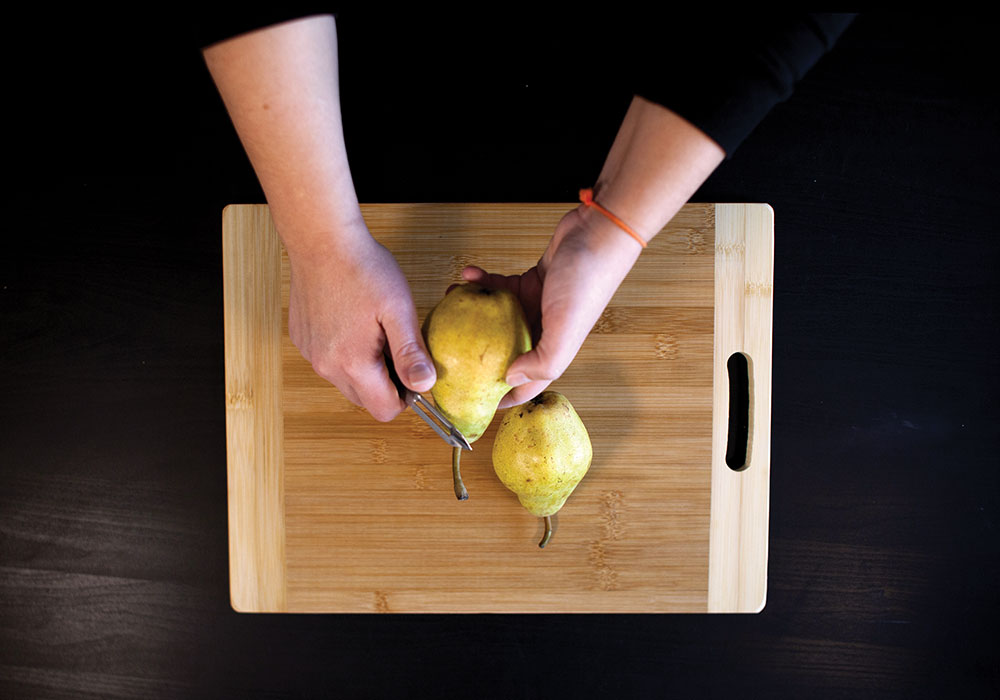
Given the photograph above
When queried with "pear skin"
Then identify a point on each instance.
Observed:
(541, 452)
(473, 335)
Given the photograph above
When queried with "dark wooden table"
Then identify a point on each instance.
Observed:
(884, 548)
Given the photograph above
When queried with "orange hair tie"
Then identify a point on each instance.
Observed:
(587, 197)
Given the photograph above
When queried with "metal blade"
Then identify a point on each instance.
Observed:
(448, 432)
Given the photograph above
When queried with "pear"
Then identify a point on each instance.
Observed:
(473, 335)
(541, 452)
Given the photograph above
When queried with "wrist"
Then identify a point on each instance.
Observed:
(605, 239)
(587, 198)
(657, 162)
(318, 240)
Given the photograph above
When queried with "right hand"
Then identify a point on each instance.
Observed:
(345, 305)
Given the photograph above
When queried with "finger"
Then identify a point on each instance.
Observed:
(523, 393)
(556, 348)
(351, 395)
(472, 273)
(375, 390)
(406, 345)
(364, 381)
(332, 372)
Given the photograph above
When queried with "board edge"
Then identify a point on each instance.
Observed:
(254, 431)
(738, 537)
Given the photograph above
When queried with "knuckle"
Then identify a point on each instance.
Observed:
(546, 374)
(383, 414)
(383, 408)
(547, 369)
(408, 349)
(351, 395)
(377, 395)
(327, 367)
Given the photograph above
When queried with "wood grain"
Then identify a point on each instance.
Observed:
(743, 307)
(252, 319)
(370, 520)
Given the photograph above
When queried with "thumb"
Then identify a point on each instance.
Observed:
(529, 375)
(563, 332)
(545, 363)
(406, 345)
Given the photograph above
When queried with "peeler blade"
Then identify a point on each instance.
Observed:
(426, 410)
(433, 417)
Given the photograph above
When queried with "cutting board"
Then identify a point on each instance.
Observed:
(332, 511)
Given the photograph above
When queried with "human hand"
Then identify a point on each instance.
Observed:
(563, 295)
(345, 305)
(348, 296)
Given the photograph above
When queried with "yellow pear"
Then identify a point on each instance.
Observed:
(473, 335)
(541, 452)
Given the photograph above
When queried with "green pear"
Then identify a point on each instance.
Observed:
(541, 452)
(473, 335)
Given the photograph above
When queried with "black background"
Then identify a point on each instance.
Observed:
(883, 566)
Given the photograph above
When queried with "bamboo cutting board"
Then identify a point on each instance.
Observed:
(331, 511)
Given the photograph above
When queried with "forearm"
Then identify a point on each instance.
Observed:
(280, 88)
(657, 162)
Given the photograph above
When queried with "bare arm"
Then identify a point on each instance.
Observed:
(348, 296)
(657, 162)
(280, 87)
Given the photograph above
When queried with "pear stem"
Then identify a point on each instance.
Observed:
(548, 532)
(456, 475)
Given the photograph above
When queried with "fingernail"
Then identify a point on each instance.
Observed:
(420, 372)
(517, 379)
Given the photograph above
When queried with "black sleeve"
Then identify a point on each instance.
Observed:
(735, 70)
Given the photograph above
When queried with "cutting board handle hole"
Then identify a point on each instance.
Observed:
(740, 418)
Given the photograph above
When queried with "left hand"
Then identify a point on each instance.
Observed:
(563, 295)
